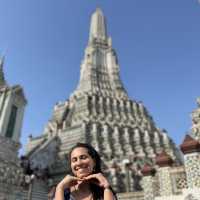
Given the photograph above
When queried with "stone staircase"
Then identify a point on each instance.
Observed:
(40, 190)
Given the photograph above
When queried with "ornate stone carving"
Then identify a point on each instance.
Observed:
(190, 145)
(163, 159)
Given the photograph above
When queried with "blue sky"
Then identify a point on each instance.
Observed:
(157, 42)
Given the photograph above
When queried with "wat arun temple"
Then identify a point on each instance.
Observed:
(139, 158)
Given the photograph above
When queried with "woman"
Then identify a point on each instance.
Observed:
(86, 181)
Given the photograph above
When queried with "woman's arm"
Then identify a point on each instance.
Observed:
(108, 194)
(100, 180)
(59, 192)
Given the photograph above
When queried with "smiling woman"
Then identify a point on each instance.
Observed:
(86, 181)
(82, 163)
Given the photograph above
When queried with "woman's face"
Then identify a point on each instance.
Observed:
(82, 164)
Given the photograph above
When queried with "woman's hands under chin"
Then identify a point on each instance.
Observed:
(69, 181)
(98, 179)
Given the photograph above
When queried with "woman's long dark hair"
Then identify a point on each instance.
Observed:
(98, 192)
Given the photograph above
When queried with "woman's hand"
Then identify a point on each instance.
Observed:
(98, 179)
(69, 181)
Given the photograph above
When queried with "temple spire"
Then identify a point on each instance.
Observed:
(98, 26)
(99, 68)
(2, 79)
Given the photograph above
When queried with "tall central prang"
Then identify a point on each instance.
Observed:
(100, 112)
(100, 69)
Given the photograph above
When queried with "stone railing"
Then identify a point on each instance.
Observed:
(131, 196)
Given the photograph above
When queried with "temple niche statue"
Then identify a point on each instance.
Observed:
(101, 113)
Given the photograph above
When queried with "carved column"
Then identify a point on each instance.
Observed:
(108, 108)
(116, 109)
(94, 111)
(127, 173)
(106, 143)
(101, 107)
(137, 143)
(147, 143)
(113, 177)
(94, 133)
(129, 111)
(117, 144)
(122, 110)
(157, 142)
(148, 182)
(191, 150)
(164, 162)
(136, 112)
(127, 145)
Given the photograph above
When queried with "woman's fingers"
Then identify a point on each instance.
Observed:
(98, 179)
(69, 181)
(90, 176)
(75, 180)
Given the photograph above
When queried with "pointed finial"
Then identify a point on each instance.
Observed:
(198, 101)
(98, 9)
(98, 26)
(2, 79)
(2, 58)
